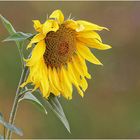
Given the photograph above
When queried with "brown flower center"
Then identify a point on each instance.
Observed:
(60, 46)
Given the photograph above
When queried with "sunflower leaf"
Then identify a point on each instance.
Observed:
(30, 97)
(9, 126)
(54, 104)
(18, 36)
(10, 29)
(7, 25)
(56, 107)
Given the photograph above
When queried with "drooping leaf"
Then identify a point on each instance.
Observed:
(30, 97)
(54, 104)
(18, 36)
(56, 107)
(9, 126)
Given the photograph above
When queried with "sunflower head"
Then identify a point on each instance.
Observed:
(60, 46)
(58, 57)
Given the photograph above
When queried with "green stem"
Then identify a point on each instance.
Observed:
(15, 104)
(21, 55)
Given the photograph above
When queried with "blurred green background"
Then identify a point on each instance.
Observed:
(111, 106)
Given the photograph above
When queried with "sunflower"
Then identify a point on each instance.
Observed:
(58, 57)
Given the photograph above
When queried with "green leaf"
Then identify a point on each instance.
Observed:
(56, 107)
(9, 126)
(54, 104)
(10, 29)
(30, 97)
(7, 25)
(18, 36)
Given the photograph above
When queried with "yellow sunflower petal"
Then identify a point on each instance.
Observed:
(87, 54)
(44, 80)
(94, 43)
(99, 45)
(34, 71)
(90, 26)
(36, 39)
(80, 71)
(37, 25)
(84, 66)
(77, 66)
(84, 84)
(57, 14)
(75, 78)
(37, 53)
(89, 34)
(25, 83)
(55, 79)
(73, 25)
(36, 86)
(50, 25)
(48, 94)
(55, 91)
(66, 84)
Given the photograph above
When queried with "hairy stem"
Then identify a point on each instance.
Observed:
(15, 104)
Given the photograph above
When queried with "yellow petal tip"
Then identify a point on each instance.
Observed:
(69, 98)
(82, 95)
(22, 85)
(106, 28)
(28, 46)
(109, 47)
(57, 14)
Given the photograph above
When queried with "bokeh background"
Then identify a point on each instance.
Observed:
(111, 106)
